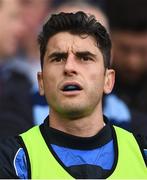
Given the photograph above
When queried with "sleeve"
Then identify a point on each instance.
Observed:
(13, 163)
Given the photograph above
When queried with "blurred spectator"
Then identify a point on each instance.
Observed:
(15, 105)
(11, 28)
(34, 13)
(127, 106)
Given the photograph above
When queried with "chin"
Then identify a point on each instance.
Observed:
(73, 112)
(73, 115)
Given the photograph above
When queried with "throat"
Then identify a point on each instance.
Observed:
(80, 127)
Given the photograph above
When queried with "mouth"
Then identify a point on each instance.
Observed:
(68, 87)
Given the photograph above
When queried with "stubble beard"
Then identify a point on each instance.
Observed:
(75, 111)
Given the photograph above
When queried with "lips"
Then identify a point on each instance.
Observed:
(71, 86)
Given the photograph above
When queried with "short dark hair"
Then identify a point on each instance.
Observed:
(76, 23)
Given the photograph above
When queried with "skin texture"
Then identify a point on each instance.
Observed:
(71, 59)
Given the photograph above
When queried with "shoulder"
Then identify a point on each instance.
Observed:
(133, 140)
(12, 158)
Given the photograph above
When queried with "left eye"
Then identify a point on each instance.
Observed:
(86, 58)
(58, 59)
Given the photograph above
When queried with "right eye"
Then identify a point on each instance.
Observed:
(57, 59)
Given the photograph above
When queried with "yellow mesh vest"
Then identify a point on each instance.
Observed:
(42, 162)
(130, 164)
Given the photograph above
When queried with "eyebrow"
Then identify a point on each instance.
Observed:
(84, 53)
(58, 54)
(65, 54)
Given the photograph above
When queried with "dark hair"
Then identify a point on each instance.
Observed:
(76, 23)
(129, 15)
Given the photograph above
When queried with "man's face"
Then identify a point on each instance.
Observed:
(73, 78)
(11, 26)
(130, 55)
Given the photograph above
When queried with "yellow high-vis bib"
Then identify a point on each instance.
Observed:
(129, 165)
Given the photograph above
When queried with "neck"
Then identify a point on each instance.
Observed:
(83, 127)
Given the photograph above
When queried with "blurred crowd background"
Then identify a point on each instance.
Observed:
(21, 106)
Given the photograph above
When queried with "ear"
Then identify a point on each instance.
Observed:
(109, 80)
(40, 83)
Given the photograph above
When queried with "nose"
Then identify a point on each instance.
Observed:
(70, 67)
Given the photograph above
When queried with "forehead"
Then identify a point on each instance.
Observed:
(65, 41)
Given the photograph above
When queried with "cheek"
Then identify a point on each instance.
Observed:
(48, 81)
(97, 80)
